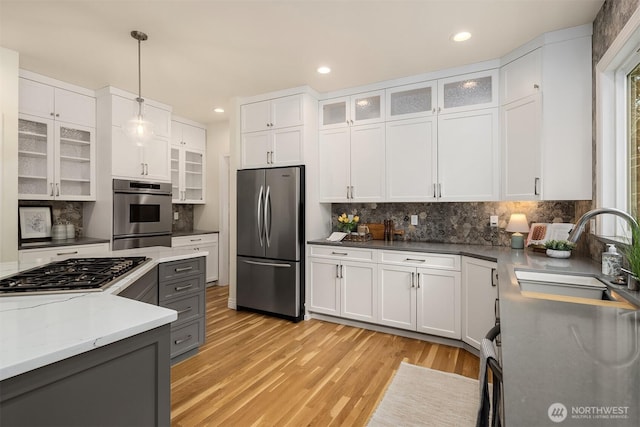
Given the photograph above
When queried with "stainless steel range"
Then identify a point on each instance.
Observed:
(71, 275)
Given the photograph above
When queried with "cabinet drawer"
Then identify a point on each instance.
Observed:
(187, 337)
(342, 253)
(188, 308)
(183, 268)
(63, 252)
(178, 288)
(198, 239)
(418, 259)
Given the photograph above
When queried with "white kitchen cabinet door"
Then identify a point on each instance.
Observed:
(521, 149)
(36, 151)
(256, 149)
(187, 175)
(71, 107)
(191, 137)
(127, 161)
(334, 163)
(161, 120)
(359, 299)
(367, 163)
(411, 101)
(74, 162)
(411, 153)
(468, 92)
(255, 116)
(286, 146)
(522, 77)
(468, 156)
(397, 296)
(325, 286)
(157, 159)
(438, 302)
(479, 295)
(212, 260)
(36, 99)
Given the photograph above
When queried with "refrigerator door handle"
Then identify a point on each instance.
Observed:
(260, 215)
(268, 264)
(267, 216)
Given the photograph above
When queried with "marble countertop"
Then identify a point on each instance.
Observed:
(584, 357)
(37, 330)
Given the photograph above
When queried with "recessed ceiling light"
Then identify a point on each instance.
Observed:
(461, 36)
(218, 110)
(324, 70)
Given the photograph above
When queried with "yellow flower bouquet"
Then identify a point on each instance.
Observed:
(347, 225)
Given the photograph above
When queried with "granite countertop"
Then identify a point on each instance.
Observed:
(59, 243)
(584, 357)
(192, 233)
(41, 329)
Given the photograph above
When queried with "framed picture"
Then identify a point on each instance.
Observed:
(35, 222)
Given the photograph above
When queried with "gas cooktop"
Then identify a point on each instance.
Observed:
(71, 275)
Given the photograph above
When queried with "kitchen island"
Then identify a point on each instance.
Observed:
(559, 359)
(111, 354)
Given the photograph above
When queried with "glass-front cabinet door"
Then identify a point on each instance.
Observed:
(74, 162)
(468, 92)
(411, 101)
(193, 176)
(334, 113)
(367, 108)
(176, 194)
(35, 158)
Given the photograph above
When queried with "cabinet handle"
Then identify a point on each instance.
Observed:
(418, 281)
(496, 311)
(352, 193)
(267, 156)
(536, 86)
(184, 310)
(57, 115)
(347, 192)
(439, 190)
(146, 168)
(181, 340)
(182, 288)
(67, 253)
(142, 167)
(57, 189)
(180, 270)
(415, 259)
(337, 271)
(195, 240)
(493, 274)
(535, 186)
(341, 271)
(339, 253)
(51, 185)
(434, 191)
(51, 114)
(413, 281)
(439, 109)
(434, 110)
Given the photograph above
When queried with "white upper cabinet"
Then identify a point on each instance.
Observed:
(410, 101)
(411, 160)
(468, 92)
(546, 120)
(521, 78)
(56, 143)
(188, 143)
(272, 114)
(42, 100)
(364, 108)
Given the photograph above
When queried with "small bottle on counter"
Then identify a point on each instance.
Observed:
(611, 262)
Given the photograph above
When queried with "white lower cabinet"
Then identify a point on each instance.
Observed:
(198, 243)
(342, 287)
(420, 299)
(62, 252)
(413, 291)
(479, 296)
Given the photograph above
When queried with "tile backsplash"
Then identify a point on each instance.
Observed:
(185, 218)
(466, 223)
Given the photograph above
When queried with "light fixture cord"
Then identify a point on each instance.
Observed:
(139, 83)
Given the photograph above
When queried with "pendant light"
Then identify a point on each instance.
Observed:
(139, 129)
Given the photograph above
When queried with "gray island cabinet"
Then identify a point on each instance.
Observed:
(123, 383)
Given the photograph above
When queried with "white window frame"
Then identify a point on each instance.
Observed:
(611, 118)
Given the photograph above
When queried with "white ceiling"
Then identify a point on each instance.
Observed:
(200, 54)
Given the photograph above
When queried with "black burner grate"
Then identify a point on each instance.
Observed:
(70, 274)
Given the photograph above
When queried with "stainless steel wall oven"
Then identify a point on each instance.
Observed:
(141, 214)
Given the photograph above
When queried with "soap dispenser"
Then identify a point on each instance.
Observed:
(611, 262)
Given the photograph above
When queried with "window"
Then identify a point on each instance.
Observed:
(633, 138)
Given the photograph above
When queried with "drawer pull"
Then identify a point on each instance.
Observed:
(184, 310)
(180, 270)
(182, 288)
(67, 253)
(181, 340)
(339, 253)
(415, 260)
(195, 240)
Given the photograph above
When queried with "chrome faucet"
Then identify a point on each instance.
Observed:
(579, 228)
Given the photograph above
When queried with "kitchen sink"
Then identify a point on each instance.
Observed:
(568, 287)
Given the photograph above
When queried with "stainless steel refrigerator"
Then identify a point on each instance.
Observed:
(270, 267)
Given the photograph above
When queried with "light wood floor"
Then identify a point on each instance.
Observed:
(263, 371)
